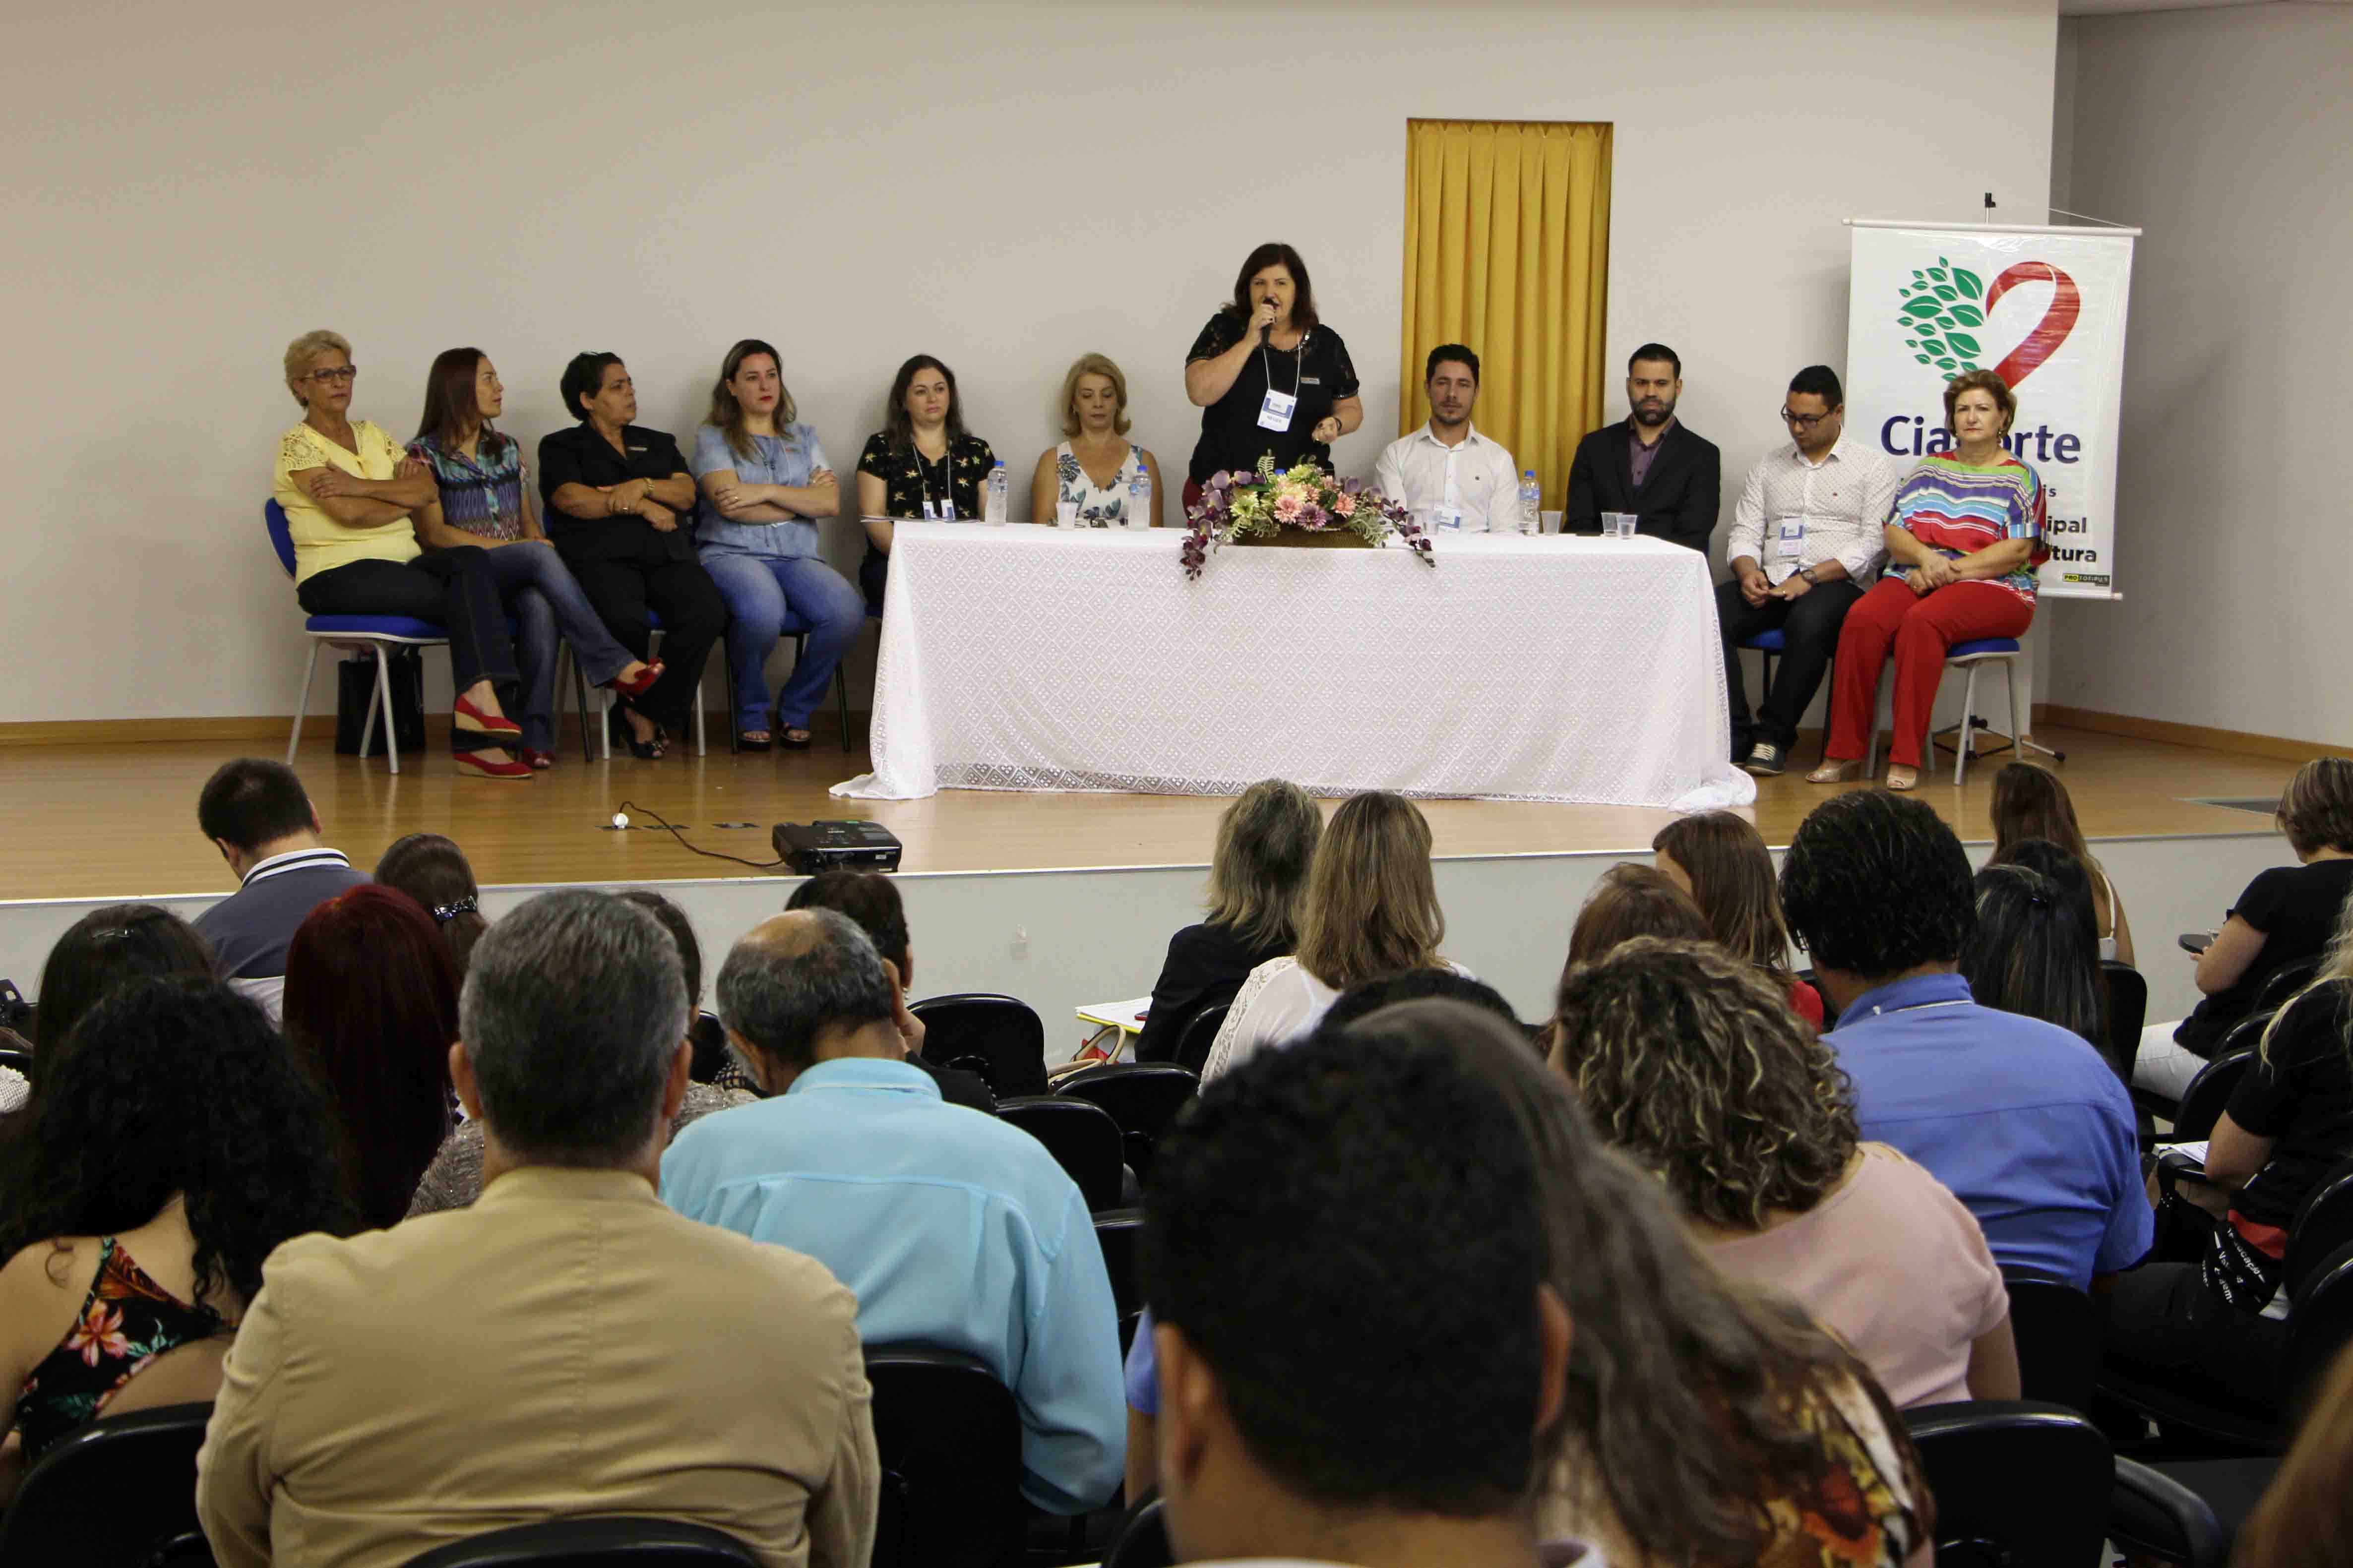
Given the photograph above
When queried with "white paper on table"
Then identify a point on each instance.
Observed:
(1126, 1016)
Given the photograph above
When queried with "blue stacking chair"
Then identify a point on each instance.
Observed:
(605, 699)
(352, 634)
(1770, 645)
(2007, 652)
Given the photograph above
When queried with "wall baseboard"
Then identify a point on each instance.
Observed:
(272, 728)
(2283, 747)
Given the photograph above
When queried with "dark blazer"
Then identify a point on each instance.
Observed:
(580, 455)
(1205, 965)
(1678, 499)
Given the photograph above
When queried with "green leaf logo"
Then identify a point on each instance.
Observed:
(1933, 303)
(1969, 283)
(1922, 358)
(1968, 315)
(1948, 364)
(1962, 342)
(1934, 347)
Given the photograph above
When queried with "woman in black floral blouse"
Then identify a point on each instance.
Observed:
(922, 464)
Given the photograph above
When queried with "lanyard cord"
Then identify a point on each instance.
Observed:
(924, 477)
(1298, 366)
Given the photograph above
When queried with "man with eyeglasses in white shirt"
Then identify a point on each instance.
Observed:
(1806, 542)
(1446, 474)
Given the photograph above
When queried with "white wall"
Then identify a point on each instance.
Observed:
(2228, 136)
(1003, 184)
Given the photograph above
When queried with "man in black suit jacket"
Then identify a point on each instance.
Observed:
(1649, 464)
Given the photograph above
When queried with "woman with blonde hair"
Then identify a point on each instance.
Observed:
(2031, 802)
(2286, 916)
(1720, 860)
(766, 481)
(2215, 1308)
(1257, 880)
(352, 499)
(1091, 479)
(1689, 1059)
(1371, 910)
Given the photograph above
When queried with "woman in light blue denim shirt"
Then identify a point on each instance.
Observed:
(765, 479)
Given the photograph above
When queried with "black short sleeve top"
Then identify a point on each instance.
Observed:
(1318, 372)
(2295, 908)
(2301, 1096)
(910, 479)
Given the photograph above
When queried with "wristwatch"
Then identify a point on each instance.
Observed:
(1808, 574)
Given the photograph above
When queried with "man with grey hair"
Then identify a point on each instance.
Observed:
(953, 1228)
(566, 1346)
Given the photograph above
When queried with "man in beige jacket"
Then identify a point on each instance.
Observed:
(567, 1346)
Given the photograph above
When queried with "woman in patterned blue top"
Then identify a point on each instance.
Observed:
(767, 481)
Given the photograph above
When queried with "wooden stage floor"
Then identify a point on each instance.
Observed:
(119, 821)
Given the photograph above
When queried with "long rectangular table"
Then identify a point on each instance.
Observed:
(1547, 668)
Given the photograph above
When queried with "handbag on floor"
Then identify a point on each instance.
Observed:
(355, 688)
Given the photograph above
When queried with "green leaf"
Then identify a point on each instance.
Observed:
(1969, 283)
(1911, 342)
(1943, 261)
(1962, 342)
(1948, 364)
(1933, 346)
(1947, 295)
(1946, 323)
(1923, 307)
(1936, 273)
(1968, 315)
(1922, 358)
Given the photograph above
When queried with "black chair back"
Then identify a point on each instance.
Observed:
(2127, 990)
(2203, 1101)
(2323, 1224)
(2015, 1483)
(949, 1436)
(999, 1038)
(1082, 1138)
(2280, 986)
(118, 1494)
(1117, 1233)
(2319, 1322)
(1200, 1033)
(2057, 1327)
(2152, 1514)
(1143, 1097)
(621, 1541)
(1143, 1539)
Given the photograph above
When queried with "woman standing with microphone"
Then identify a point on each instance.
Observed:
(1268, 376)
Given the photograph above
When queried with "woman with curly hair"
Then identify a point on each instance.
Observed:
(1691, 1061)
(174, 1142)
(372, 1007)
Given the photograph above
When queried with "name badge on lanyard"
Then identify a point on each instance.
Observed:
(1789, 542)
(1276, 412)
(943, 509)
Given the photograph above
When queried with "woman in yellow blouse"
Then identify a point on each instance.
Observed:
(349, 493)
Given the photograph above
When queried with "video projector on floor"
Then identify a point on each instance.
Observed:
(809, 847)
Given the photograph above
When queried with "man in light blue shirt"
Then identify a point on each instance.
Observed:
(951, 1228)
(2027, 1124)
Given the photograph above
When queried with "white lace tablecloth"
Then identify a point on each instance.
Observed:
(1519, 669)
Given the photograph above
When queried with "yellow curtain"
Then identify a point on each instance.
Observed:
(1507, 249)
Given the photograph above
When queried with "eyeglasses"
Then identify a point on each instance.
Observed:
(334, 372)
(1804, 421)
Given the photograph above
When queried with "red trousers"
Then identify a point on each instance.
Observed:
(1920, 628)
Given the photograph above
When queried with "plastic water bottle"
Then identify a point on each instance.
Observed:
(1139, 498)
(1531, 500)
(995, 505)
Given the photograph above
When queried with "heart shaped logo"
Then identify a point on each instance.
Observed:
(2058, 317)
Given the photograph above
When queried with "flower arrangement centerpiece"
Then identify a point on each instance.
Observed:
(1303, 502)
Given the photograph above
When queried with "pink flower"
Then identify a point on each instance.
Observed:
(1344, 505)
(1288, 507)
(98, 1333)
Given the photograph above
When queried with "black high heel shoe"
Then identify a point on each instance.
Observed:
(617, 726)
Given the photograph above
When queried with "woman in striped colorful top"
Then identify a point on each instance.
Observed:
(1963, 541)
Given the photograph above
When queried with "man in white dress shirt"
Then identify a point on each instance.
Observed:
(1449, 475)
(1805, 544)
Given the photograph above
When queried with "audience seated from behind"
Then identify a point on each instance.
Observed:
(111, 947)
(1371, 910)
(351, 498)
(257, 816)
(2214, 1298)
(433, 871)
(1369, 996)
(2031, 802)
(2032, 952)
(1280, 1269)
(1629, 900)
(2284, 916)
(2023, 1121)
(871, 901)
(2306, 1517)
(1720, 860)
(951, 1228)
(1063, 487)
(1687, 1059)
(455, 1178)
(766, 481)
(1258, 882)
(614, 1358)
(175, 1142)
(482, 502)
(370, 1008)
(923, 465)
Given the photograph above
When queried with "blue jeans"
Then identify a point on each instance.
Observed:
(540, 592)
(767, 597)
